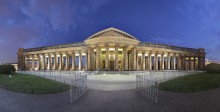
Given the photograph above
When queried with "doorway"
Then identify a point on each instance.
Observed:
(112, 63)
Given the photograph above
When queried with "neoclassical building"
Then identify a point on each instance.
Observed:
(111, 49)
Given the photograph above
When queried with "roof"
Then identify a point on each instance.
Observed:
(148, 44)
(75, 44)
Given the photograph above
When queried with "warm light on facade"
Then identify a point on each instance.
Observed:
(120, 49)
(111, 49)
(139, 54)
(76, 54)
(103, 49)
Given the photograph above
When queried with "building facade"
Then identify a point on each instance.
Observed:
(111, 49)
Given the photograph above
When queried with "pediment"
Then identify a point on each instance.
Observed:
(112, 32)
(112, 35)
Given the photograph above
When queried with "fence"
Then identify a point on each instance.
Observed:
(61, 76)
(147, 82)
(169, 75)
(147, 87)
(78, 87)
(76, 79)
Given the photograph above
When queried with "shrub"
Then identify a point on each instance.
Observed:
(7, 69)
(213, 68)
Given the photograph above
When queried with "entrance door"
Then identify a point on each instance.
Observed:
(112, 63)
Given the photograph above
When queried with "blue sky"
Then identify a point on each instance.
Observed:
(34, 23)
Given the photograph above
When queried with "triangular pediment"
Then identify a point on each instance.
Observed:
(112, 32)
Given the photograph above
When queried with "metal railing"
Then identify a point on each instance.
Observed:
(76, 79)
(147, 87)
(57, 75)
(147, 82)
(78, 87)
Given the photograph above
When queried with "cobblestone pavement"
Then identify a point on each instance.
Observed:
(110, 101)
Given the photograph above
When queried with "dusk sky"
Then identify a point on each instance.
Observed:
(35, 23)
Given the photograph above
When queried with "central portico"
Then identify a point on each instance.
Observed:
(110, 49)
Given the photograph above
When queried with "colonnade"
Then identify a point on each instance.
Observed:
(163, 61)
(56, 61)
(109, 58)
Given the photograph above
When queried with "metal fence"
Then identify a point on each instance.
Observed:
(169, 75)
(76, 79)
(147, 82)
(57, 75)
(147, 87)
(78, 87)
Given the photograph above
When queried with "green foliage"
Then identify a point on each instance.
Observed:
(192, 83)
(31, 84)
(213, 68)
(7, 69)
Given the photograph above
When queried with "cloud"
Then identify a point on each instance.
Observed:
(206, 14)
(27, 23)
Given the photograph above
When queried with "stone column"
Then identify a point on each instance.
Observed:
(28, 63)
(44, 61)
(97, 57)
(174, 62)
(171, 62)
(190, 63)
(38, 62)
(156, 61)
(168, 61)
(50, 61)
(201, 61)
(107, 57)
(162, 62)
(126, 59)
(143, 61)
(165, 63)
(179, 63)
(86, 67)
(184, 63)
(88, 60)
(67, 61)
(25, 62)
(55, 61)
(32, 62)
(80, 60)
(41, 62)
(135, 60)
(203, 64)
(116, 57)
(194, 63)
(27, 67)
(149, 62)
(61, 62)
(73, 61)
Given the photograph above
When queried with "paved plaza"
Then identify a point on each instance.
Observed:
(110, 101)
(110, 93)
(109, 81)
